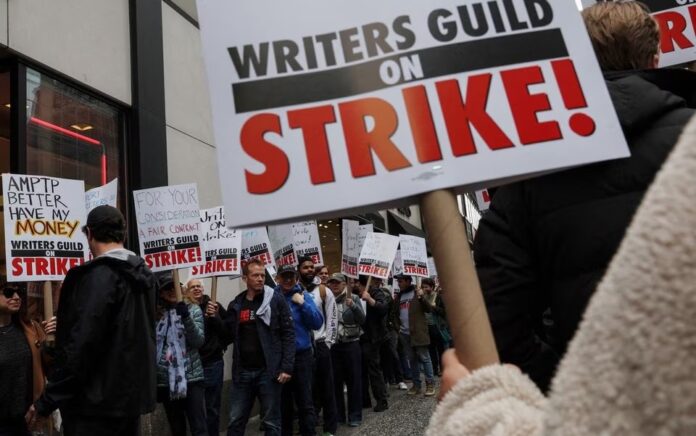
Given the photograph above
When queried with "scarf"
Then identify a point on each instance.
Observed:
(170, 337)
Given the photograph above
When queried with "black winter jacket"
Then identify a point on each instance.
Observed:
(105, 342)
(375, 326)
(217, 335)
(277, 339)
(545, 243)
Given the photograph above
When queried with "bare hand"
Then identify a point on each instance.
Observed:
(419, 292)
(30, 416)
(452, 373)
(298, 298)
(284, 377)
(349, 302)
(49, 327)
(211, 310)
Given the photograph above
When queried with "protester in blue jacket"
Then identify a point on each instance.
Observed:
(306, 317)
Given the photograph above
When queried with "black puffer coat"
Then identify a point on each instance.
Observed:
(546, 242)
(105, 342)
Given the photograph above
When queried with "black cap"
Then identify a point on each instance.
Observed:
(285, 269)
(164, 280)
(106, 216)
(403, 276)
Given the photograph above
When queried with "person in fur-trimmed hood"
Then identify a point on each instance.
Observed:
(630, 369)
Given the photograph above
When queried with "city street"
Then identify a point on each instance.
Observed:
(407, 416)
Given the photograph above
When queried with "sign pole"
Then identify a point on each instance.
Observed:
(48, 306)
(213, 289)
(466, 311)
(177, 285)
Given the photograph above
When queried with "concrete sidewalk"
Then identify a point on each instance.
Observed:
(407, 416)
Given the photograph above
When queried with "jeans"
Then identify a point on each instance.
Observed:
(324, 387)
(191, 408)
(299, 389)
(421, 356)
(214, 372)
(250, 385)
(347, 370)
(371, 357)
(404, 350)
(89, 426)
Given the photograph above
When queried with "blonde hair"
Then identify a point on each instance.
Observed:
(623, 34)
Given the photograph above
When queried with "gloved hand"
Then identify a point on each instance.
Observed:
(182, 310)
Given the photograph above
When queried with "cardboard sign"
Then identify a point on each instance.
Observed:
(256, 245)
(677, 21)
(398, 267)
(483, 199)
(405, 96)
(102, 195)
(43, 226)
(221, 246)
(306, 241)
(377, 255)
(431, 267)
(414, 255)
(363, 231)
(350, 248)
(169, 227)
(281, 238)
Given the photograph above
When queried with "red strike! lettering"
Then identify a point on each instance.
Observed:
(44, 266)
(462, 115)
(672, 28)
(171, 258)
(215, 266)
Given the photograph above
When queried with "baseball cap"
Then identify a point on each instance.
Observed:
(337, 277)
(403, 276)
(285, 269)
(105, 216)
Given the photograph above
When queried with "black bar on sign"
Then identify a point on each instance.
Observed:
(42, 253)
(223, 257)
(661, 5)
(361, 78)
(176, 247)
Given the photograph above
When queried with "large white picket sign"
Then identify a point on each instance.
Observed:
(368, 104)
(43, 226)
(677, 21)
(221, 246)
(281, 237)
(377, 255)
(102, 195)
(169, 227)
(414, 256)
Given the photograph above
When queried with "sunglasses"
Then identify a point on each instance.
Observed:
(9, 292)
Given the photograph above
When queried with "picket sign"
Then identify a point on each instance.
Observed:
(221, 246)
(483, 199)
(168, 220)
(256, 245)
(414, 256)
(410, 98)
(102, 195)
(677, 22)
(43, 227)
(377, 255)
(350, 248)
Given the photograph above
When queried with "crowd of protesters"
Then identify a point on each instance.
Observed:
(308, 343)
(312, 345)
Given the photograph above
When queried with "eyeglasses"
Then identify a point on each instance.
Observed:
(9, 292)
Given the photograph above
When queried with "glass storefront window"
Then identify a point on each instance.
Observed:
(4, 153)
(70, 134)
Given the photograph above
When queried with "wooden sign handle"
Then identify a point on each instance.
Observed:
(48, 306)
(213, 289)
(177, 285)
(466, 311)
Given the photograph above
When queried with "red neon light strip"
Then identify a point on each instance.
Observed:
(66, 132)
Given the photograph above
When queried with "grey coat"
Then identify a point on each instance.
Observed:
(195, 337)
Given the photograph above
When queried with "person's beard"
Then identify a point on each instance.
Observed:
(307, 279)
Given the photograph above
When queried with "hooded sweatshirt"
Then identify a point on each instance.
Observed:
(306, 317)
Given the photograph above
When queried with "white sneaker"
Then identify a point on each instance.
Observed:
(403, 387)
